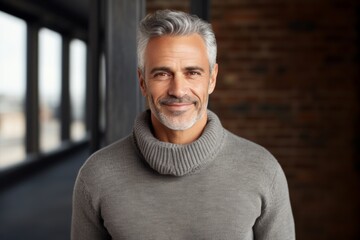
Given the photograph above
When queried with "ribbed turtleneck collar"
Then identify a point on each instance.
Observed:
(177, 159)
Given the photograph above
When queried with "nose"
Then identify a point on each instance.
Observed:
(178, 86)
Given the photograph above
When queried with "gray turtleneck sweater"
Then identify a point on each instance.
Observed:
(219, 187)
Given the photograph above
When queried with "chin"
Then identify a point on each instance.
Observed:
(180, 127)
(180, 123)
(177, 124)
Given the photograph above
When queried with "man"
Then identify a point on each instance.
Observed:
(180, 174)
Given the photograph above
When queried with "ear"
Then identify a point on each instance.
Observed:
(213, 78)
(142, 83)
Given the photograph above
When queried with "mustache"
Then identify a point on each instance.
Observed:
(172, 99)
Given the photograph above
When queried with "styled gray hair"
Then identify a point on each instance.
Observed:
(174, 23)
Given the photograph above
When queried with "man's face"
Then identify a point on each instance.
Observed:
(177, 80)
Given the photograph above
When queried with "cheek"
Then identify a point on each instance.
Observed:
(156, 91)
(201, 91)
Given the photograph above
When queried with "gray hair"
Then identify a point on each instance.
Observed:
(174, 23)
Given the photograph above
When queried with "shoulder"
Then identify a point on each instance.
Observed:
(108, 170)
(252, 158)
(253, 164)
(250, 150)
(110, 160)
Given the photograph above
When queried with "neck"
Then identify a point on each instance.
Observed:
(187, 136)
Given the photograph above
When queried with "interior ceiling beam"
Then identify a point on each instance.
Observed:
(48, 16)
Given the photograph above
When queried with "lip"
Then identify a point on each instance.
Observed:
(178, 106)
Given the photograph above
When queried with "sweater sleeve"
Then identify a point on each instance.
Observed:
(86, 222)
(276, 221)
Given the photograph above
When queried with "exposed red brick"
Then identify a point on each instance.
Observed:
(288, 80)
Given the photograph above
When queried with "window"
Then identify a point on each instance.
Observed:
(77, 88)
(13, 83)
(49, 88)
(12, 89)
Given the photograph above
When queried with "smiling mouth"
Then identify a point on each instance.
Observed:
(174, 101)
(178, 105)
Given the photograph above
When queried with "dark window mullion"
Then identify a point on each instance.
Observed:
(32, 89)
(65, 90)
(93, 97)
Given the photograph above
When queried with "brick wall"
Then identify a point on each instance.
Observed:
(288, 80)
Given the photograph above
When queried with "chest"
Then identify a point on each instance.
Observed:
(181, 209)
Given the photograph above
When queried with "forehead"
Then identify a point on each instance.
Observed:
(192, 39)
(176, 48)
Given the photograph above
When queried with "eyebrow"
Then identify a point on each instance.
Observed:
(192, 68)
(167, 69)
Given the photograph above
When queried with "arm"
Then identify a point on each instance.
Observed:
(276, 221)
(86, 222)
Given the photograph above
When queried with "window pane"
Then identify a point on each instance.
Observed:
(12, 89)
(50, 88)
(77, 88)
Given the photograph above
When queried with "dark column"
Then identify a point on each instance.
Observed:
(32, 89)
(357, 128)
(201, 8)
(65, 90)
(123, 98)
(93, 73)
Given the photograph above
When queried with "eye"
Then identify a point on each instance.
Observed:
(193, 74)
(162, 75)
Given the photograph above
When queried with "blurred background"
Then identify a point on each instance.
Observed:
(288, 80)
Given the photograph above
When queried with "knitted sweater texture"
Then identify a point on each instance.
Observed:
(219, 187)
